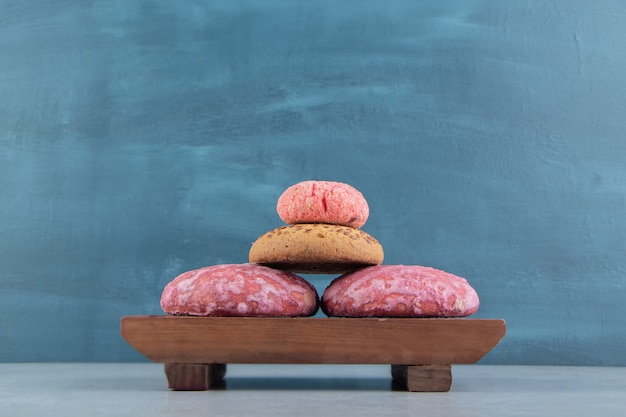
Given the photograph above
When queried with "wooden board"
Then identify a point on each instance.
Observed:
(224, 340)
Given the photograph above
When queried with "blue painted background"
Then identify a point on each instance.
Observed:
(141, 139)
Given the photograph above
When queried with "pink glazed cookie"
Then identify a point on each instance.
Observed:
(399, 291)
(323, 202)
(242, 290)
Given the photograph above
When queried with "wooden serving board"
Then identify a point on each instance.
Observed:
(196, 349)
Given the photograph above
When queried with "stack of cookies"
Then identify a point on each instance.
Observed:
(323, 236)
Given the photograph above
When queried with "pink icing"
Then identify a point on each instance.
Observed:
(239, 290)
(399, 291)
(323, 202)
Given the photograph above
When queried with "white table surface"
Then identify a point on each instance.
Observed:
(139, 389)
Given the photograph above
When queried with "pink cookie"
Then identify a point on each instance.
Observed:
(399, 291)
(323, 202)
(243, 290)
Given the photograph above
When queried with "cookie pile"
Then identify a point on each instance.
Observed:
(322, 236)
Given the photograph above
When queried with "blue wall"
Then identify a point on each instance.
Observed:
(141, 139)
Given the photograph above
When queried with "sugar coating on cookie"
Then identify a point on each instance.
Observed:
(399, 291)
(323, 202)
(243, 290)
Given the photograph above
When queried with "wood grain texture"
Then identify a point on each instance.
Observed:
(177, 339)
(423, 378)
(194, 376)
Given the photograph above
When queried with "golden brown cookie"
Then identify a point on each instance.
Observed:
(313, 248)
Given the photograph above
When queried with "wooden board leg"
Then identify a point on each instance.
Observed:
(423, 378)
(194, 376)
